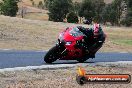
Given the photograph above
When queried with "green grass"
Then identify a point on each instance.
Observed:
(123, 42)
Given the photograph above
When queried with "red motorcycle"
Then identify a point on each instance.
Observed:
(70, 46)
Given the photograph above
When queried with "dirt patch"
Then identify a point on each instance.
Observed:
(60, 78)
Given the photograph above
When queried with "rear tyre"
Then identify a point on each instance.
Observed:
(81, 60)
(52, 55)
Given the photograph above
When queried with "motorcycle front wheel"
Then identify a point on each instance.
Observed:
(51, 55)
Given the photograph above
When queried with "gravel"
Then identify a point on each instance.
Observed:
(59, 78)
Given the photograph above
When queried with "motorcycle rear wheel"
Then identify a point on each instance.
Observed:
(81, 60)
(52, 55)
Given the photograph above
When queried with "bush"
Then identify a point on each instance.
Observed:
(87, 9)
(127, 22)
(9, 7)
(58, 9)
(72, 18)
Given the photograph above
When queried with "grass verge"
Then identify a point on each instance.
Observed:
(25, 34)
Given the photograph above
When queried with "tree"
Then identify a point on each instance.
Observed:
(109, 14)
(48, 3)
(129, 6)
(76, 7)
(129, 2)
(72, 17)
(40, 5)
(98, 5)
(22, 11)
(128, 20)
(114, 12)
(9, 7)
(58, 9)
(118, 9)
(91, 9)
(87, 9)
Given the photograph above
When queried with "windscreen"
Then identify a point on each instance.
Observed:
(76, 32)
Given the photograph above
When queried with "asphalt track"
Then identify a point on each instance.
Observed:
(13, 58)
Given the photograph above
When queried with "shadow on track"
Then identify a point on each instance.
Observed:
(66, 62)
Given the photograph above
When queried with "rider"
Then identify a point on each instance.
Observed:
(98, 37)
(95, 35)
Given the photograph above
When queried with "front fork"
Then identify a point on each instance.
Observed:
(62, 49)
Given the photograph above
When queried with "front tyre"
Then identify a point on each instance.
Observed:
(52, 55)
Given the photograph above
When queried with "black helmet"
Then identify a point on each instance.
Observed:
(86, 21)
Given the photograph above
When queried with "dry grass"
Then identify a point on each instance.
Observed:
(118, 39)
(28, 2)
(36, 16)
(28, 34)
(21, 34)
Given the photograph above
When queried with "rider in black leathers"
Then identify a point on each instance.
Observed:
(94, 38)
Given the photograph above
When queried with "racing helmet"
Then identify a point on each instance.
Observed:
(96, 28)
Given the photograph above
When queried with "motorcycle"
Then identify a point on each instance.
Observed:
(70, 46)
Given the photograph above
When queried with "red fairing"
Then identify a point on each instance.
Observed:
(70, 38)
(67, 37)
